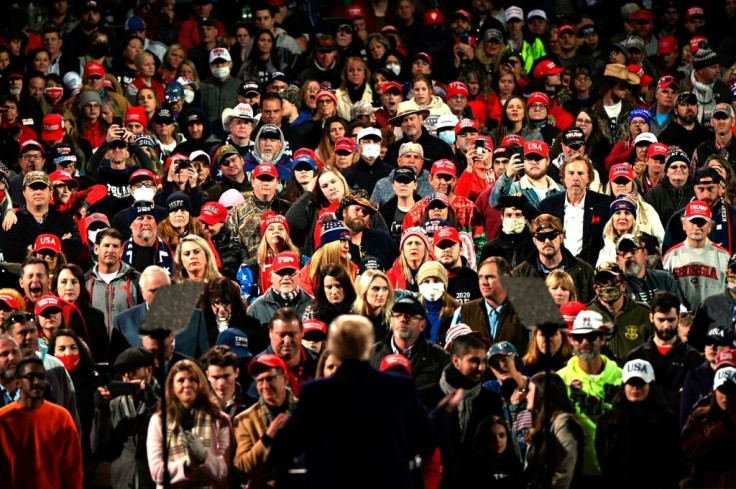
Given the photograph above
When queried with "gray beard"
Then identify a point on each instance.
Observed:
(632, 269)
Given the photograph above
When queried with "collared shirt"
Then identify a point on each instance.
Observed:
(407, 353)
(493, 314)
(7, 397)
(573, 225)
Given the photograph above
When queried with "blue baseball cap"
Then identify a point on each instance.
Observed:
(237, 340)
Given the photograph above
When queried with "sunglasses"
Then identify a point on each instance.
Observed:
(21, 317)
(591, 337)
(546, 236)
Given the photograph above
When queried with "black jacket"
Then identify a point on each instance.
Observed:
(669, 370)
(676, 135)
(514, 248)
(27, 229)
(582, 274)
(232, 252)
(712, 311)
(427, 359)
(361, 175)
(594, 219)
(667, 199)
(434, 149)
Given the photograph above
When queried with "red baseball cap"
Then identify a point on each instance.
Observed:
(694, 12)
(644, 79)
(141, 174)
(9, 301)
(464, 124)
(345, 144)
(354, 12)
(444, 167)
(285, 261)
(666, 45)
(510, 139)
(265, 169)
(270, 217)
(63, 176)
(446, 233)
(726, 358)
(456, 88)
(392, 85)
(433, 17)
(536, 148)
(423, 56)
(47, 302)
(622, 170)
(570, 310)
(464, 14)
(47, 242)
(213, 213)
(267, 360)
(52, 127)
(566, 28)
(396, 362)
(314, 327)
(93, 68)
(698, 209)
(657, 149)
(97, 217)
(668, 81)
(29, 144)
(642, 14)
(695, 43)
(547, 67)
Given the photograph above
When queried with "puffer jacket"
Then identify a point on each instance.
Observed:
(114, 297)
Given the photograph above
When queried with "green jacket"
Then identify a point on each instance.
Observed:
(591, 395)
(532, 52)
(632, 327)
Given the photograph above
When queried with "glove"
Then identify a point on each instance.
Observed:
(197, 451)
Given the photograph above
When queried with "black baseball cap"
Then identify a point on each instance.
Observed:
(410, 305)
(405, 174)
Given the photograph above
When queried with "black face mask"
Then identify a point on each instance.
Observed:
(99, 49)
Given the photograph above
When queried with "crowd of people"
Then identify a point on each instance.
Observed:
(355, 185)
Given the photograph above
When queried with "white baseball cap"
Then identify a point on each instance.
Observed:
(645, 137)
(369, 131)
(589, 322)
(724, 376)
(638, 369)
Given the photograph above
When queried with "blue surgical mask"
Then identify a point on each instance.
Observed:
(448, 137)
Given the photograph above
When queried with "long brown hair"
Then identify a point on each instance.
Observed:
(205, 400)
(534, 355)
(555, 395)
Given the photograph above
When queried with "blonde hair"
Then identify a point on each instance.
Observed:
(329, 254)
(180, 273)
(405, 268)
(264, 250)
(561, 277)
(363, 284)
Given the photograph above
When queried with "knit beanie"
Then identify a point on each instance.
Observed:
(414, 231)
(270, 217)
(333, 230)
(675, 154)
(178, 200)
(705, 56)
(623, 203)
(140, 208)
(432, 269)
(642, 113)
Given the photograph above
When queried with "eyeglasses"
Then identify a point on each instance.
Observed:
(637, 123)
(32, 377)
(627, 253)
(679, 168)
(537, 106)
(220, 302)
(144, 184)
(229, 161)
(583, 122)
(47, 255)
(542, 237)
(28, 157)
(269, 379)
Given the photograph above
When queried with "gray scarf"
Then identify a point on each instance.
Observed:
(471, 391)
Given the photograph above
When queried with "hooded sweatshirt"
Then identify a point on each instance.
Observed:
(280, 159)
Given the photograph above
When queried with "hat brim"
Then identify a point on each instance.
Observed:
(396, 120)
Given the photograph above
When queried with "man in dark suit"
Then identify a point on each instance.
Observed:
(359, 428)
(192, 341)
(584, 213)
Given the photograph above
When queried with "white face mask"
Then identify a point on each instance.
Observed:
(221, 73)
(395, 67)
(223, 323)
(371, 151)
(448, 137)
(92, 236)
(144, 193)
(513, 225)
(188, 96)
(432, 292)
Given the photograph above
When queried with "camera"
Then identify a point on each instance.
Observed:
(182, 164)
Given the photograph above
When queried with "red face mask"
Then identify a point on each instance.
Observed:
(53, 94)
(71, 362)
